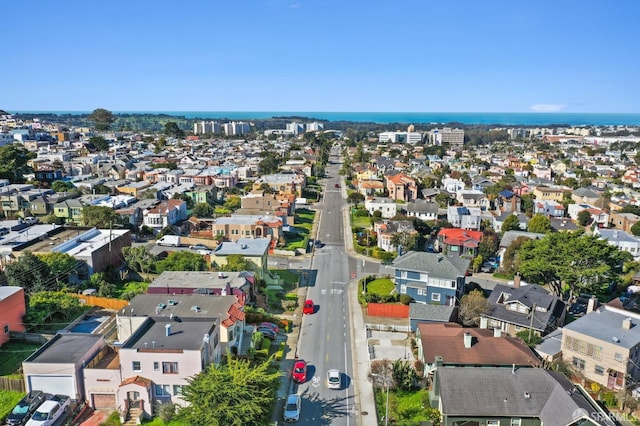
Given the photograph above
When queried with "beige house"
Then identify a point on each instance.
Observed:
(604, 346)
(623, 221)
(543, 192)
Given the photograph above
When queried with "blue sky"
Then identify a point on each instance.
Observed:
(312, 55)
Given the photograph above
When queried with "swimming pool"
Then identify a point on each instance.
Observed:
(88, 324)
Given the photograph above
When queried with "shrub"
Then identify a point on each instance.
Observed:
(266, 344)
(291, 296)
(610, 399)
(405, 299)
(167, 411)
(261, 355)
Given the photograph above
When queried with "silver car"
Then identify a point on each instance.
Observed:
(292, 409)
(333, 379)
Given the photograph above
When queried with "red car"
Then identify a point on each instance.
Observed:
(308, 307)
(299, 371)
(337, 185)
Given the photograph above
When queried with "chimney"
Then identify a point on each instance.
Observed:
(626, 323)
(516, 280)
(483, 322)
(592, 304)
(497, 332)
(167, 329)
(467, 340)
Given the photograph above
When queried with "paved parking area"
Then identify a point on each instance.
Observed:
(391, 345)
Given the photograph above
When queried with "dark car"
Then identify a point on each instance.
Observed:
(267, 332)
(487, 267)
(25, 408)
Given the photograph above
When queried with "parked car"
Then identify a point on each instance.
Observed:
(337, 185)
(25, 408)
(333, 379)
(299, 373)
(292, 409)
(48, 413)
(308, 307)
(270, 325)
(198, 247)
(487, 267)
(266, 332)
(30, 220)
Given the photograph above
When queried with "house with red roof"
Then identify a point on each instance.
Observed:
(461, 242)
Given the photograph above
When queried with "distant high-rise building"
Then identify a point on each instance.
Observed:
(314, 127)
(236, 128)
(206, 127)
(295, 128)
(452, 137)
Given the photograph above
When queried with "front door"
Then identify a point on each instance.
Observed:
(134, 399)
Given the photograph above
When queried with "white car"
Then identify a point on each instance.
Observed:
(333, 379)
(292, 409)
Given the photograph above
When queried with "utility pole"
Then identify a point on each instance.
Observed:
(533, 310)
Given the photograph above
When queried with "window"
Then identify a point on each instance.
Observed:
(403, 289)
(163, 390)
(421, 291)
(578, 363)
(177, 389)
(516, 422)
(170, 368)
(435, 297)
(599, 370)
(135, 365)
(6, 329)
(156, 366)
(493, 422)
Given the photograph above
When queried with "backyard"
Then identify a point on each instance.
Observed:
(299, 236)
(405, 408)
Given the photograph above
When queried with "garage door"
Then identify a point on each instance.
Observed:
(101, 401)
(63, 385)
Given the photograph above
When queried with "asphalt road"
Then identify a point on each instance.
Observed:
(325, 335)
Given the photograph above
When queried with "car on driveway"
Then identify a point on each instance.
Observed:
(299, 373)
(487, 267)
(333, 379)
(199, 247)
(267, 332)
(308, 307)
(292, 409)
(270, 325)
(25, 408)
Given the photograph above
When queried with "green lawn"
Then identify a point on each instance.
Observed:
(295, 240)
(12, 354)
(405, 408)
(287, 276)
(380, 286)
(360, 222)
(304, 219)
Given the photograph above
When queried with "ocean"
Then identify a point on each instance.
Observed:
(486, 118)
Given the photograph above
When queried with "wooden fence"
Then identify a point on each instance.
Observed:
(14, 385)
(389, 310)
(103, 302)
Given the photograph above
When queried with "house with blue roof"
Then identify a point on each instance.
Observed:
(508, 201)
(431, 277)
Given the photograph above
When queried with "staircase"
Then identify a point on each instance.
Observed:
(134, 417)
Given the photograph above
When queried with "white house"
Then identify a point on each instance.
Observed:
(621, 239)
(387, 206)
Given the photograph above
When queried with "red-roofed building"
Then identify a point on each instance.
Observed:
(166, 213)
(464, 242)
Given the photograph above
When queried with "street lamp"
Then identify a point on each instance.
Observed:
(385, 379)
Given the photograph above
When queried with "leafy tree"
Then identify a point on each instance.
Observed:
(573, 261)
(530, 338)
(102, 119)
(98, 216)
(235, 393)
(635, 229)
(472, 307)
(13, 162)
(138, 259)
(489, 244)
(61, 264)
(51, 306)
(270, 163)
(171, 129)
(237, 263)
(57, 164)
(61, 186)
(540, 224)
(99, 142)
(511, 223)
(583, 217)
(31, 273)
(355, 198)
(204, 210)
(232, 203)
(404, 375)
(182, 261)
(408, 240)
(509, 256)
(185, 198)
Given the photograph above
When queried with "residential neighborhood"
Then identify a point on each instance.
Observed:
(133, 262)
